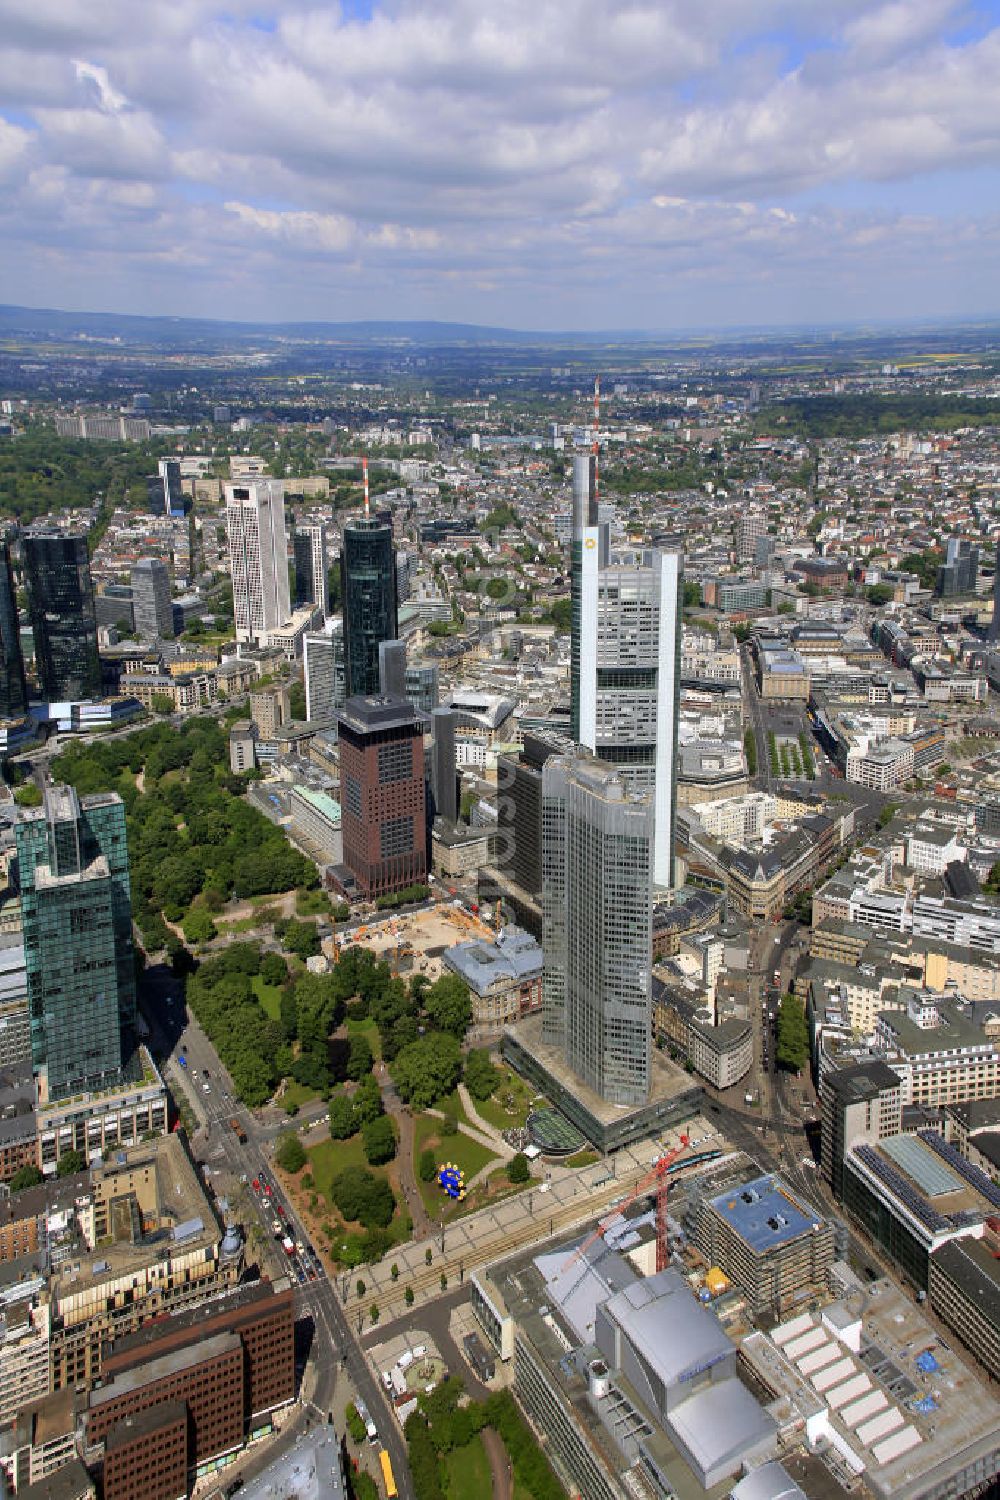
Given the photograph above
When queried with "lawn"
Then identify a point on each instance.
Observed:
(510, 1103)
(263, 918)
(467, 1471)
(582, 1159)
(269, 996)
(366, 1028)
(298, 1094)
(331, 1157)
(468, 1155)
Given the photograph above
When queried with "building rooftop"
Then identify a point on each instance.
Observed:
(765, 1214)
(515, 955)
(141, 1423)
(321, 801)
(973, 1267)
(369, 715)
(163, 1366)
(677, 1335)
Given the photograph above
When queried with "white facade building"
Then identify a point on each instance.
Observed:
(628, 651)
(258, 557)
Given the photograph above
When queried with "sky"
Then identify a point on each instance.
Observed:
(533, 164)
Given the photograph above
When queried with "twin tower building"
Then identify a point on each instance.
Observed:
(608, 821)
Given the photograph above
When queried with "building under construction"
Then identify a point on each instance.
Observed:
(768, 1242)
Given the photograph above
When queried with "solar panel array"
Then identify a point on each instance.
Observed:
(973, 1176)
(902, 1189)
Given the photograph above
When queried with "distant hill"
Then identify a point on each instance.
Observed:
(47, 322)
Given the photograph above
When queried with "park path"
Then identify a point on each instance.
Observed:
(423, 1224)
(484, 1127)
(500, 1469)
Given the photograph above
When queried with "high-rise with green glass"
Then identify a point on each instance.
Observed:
(76, 917)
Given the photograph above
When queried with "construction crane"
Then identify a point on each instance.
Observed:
(657, 1174)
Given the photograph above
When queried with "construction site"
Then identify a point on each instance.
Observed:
(413, 942)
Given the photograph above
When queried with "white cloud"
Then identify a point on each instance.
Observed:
(602, 159)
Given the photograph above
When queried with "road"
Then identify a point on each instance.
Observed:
(217, 1147)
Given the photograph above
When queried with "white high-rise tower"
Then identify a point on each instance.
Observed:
(258, 557)
(627, 662)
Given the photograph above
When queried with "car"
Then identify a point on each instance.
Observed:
(267, 1189)
(277, 1227)
(205, 1073)
(207, 1088)
(280, 1210)
(183, 1060)
(256, 1184)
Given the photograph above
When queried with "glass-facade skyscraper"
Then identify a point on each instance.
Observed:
(597, 934)
(368, 576)
(625, 665)
(13, 688)
(61, 601)
(76, 917)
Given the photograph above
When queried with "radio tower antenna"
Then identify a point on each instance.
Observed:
(597, 446)
(364, 476)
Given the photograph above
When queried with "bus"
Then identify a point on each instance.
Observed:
(388, 1478)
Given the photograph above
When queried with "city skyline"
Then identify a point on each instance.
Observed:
(575, 167)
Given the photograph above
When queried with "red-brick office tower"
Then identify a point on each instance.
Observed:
(382, 794)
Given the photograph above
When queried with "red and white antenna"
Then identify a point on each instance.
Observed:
(597, 427)
(364, 476)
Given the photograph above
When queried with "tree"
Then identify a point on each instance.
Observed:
(290, 1155)
(273, 969)
(367, 1101)
(427, 1167)
(408, 1296)
(70, 1162)
(428, 1068)
(301, 938)
(342, 1122)
(792, 1050)
(162, 704)
(373, 1312)
(518, 1169)
(28, 795)
(198, 926)
(363, 1198)
(297, 700)
(379, 1141)
(447, 1005)
(359, 1057)
(25, 1177)
(481, 1077)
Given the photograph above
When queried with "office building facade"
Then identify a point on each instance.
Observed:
(861, 1102)
(312, 585)
(444, 773)
(258, 557)
(323, 665)
(152, 605)
(597, 859)
(13, 688)
(77, 922)
(368, 586)
(382, 794)
(61, 602)
(392, 669)
(625, 668)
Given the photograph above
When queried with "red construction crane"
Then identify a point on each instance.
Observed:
(656, 1174)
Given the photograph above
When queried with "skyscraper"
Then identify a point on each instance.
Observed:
(312, 586)
(61, 602)
(597, 912)
(382, 794)
(151, 598)
(584, 517)
(444, 772)
(626, 668)
(258, 557)
(368, 574)
(13, 688)
(993, 635)
(959, 571)
(392, 669)
(76, 915)
(323, 654)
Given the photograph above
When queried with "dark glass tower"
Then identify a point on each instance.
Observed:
(76, 914)
(61, 599)
(13, 689)
(368, 576)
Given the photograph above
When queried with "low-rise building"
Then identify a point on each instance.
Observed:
(504, 977)
(964, 1291)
